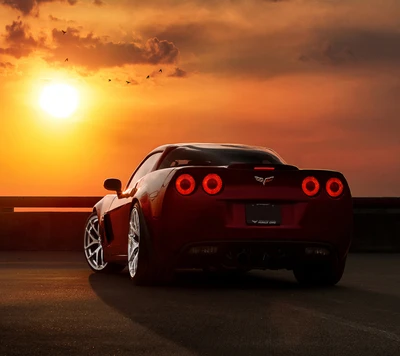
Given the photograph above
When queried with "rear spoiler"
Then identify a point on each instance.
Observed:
(263, 167)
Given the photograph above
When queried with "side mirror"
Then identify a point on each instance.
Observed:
(113, 184)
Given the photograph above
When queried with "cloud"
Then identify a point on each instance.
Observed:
(232, 49)
(178, 73)
(94, 52)
(57, 19)
(356, 46)
(264, 39)
(28, 7)
(20, 41)
(160, 51)
(53, 18)
(242, 43)
(192, 36)
(25, 6)
(7, 68)
(98, 2)
(6, 65)
(212, 4)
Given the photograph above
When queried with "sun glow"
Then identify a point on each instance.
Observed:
(59, 100)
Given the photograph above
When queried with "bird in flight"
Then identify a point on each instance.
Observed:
(160, 70)
(64, 32)
(66, 60)
(127, 82)
(148, 77)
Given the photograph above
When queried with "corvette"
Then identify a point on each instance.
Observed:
(221, 207)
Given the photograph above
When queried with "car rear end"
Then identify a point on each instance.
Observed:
(254, 216)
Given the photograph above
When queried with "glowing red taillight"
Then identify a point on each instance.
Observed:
(310, 186)
(334, 187)
(185, 184)
(212, 184)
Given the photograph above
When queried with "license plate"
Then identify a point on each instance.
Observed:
(263, 214)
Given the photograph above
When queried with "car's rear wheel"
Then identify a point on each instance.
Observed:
(320, 274)
(143, 269)
(93, 248)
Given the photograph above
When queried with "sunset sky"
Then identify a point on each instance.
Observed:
(316, 80)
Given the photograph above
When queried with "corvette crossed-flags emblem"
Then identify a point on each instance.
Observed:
(263, 180)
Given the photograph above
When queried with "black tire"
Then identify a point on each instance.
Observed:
(92, 226)
(320, 274)
(149, 271)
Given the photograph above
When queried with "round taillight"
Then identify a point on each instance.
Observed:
(334, 187)
(310, 186)
(212, 184)
(185, 184)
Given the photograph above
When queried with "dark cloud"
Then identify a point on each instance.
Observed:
(213, 4)
(7, 68)
(160, 51)
(178, 73)
(98, 2)
(27, 7)
(6, 65)
(350, 46)
(20, 41)
(57, 19)
(191, 36)
(53, 18)
(94, 52)
(330, 54)
(88, 51)
(234, 51)
(272, 53)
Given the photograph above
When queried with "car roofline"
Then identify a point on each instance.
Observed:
(211, 145)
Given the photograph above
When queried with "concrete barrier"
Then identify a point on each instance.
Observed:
(46, 231)
(376, 224)
(42, 231)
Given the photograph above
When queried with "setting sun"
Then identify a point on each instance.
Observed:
(59, 100)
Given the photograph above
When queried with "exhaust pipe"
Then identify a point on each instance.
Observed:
(317, 251)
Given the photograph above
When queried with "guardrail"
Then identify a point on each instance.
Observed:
(376, 223)
(8, 204)
(43, 230)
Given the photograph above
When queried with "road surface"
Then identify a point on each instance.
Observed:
(52, 304)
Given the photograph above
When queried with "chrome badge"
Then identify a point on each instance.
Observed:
(264, 180)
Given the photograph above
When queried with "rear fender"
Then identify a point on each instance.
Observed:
(150, 192)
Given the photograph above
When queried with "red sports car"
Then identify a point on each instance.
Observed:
(223, 207)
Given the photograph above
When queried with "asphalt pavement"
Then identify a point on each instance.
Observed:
(52, 304)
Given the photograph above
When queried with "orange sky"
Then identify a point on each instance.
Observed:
(316, 80)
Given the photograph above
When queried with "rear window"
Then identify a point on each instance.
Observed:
(187, 156)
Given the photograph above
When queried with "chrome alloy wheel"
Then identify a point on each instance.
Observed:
(133, 242)
(92, 243)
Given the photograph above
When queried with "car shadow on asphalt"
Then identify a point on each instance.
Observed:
(218, 307)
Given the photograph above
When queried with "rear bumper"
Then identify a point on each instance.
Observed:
(186, 221)
(253, 254)
(324, 228)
